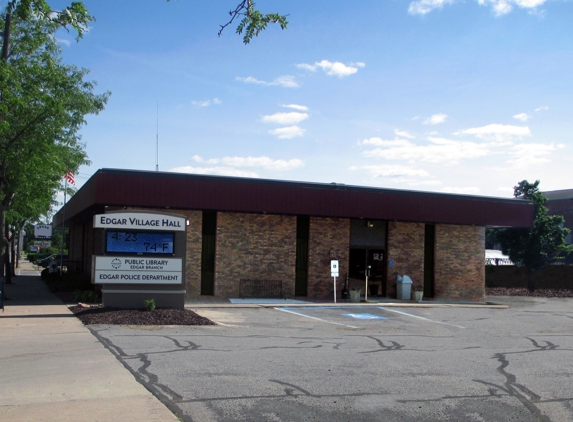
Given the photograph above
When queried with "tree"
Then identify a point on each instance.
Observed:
(536, 247)
(253, 21)
(43, 104)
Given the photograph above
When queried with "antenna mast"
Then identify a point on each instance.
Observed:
(157, 141)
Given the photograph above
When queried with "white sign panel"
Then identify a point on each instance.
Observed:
(334, 268)
(139, 221)
(43, 231)
(137, 270)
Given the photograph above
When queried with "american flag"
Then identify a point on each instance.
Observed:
(70, 178)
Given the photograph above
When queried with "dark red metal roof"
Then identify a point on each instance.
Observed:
(131, 188)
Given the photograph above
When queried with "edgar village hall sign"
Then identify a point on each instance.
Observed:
(139, 221)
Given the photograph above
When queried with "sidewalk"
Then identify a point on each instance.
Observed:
(53, 369)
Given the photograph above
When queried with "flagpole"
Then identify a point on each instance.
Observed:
(64, 226)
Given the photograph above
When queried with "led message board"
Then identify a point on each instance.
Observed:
(139, 243)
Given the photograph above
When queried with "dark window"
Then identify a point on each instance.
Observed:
(208, 253)
(429, 242)
(302, 234)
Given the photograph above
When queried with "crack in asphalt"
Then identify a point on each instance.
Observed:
(389, 347)
(149, 380)
(511, 387)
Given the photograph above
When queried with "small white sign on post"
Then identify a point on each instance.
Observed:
(43, 231)
(334, 273)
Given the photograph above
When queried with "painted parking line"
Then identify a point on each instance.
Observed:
(365, 316)
(419, 317)
(315, 318)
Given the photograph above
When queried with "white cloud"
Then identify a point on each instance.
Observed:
(500, 133)
(436, 119)
(385, 143)
(67, 43)
(290, 118)
(285, 81)
(221, 171)
(206, 103)
(470, 190)
(287, 132)
(296, 107)
(530, 155)
(502, 7)
(499, 7)
(333, 68)
(403, 134)
(263, 162)
(524, 117)
(392, 171)
(439, 150)
(545, 108)
(421, 7)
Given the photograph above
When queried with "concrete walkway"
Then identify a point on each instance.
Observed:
(53, 369)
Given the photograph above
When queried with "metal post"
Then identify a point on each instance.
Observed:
(334, 289)
(63, 225)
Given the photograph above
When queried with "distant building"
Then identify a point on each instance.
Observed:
(265, 237)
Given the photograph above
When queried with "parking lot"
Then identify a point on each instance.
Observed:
(365, 363)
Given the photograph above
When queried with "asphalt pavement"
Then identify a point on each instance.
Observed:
(360, 363)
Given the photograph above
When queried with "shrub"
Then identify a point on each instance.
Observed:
(149, 304)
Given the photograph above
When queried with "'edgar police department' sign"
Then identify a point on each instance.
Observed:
(139, 221)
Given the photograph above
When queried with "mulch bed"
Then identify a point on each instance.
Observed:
(503, 291)
(117, 316)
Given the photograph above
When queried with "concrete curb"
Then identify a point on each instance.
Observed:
(362, 304)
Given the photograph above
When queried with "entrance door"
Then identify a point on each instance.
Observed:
(360, 261)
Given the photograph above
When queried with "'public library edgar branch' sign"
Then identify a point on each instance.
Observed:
(137, 270)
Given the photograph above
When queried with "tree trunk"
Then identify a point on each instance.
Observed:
(13, 255)
(530, 281)
(8, 269)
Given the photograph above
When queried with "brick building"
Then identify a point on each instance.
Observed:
(241, 232)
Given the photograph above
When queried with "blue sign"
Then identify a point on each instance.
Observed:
(139, 243)
(391, 263)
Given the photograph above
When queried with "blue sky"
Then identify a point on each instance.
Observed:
(434, 95)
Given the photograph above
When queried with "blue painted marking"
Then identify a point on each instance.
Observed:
(364, 316)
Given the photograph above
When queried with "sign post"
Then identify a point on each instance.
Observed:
(366, 286)
(334, 273)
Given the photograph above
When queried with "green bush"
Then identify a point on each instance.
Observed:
(149, 304)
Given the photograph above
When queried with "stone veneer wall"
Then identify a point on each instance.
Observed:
(256, 247)
(329, 238)
(459, 263)
(406, 248)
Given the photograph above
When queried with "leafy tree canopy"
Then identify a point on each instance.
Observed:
(43, 104)
(536, 247)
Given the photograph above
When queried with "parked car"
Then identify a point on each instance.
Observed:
(56, 257)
